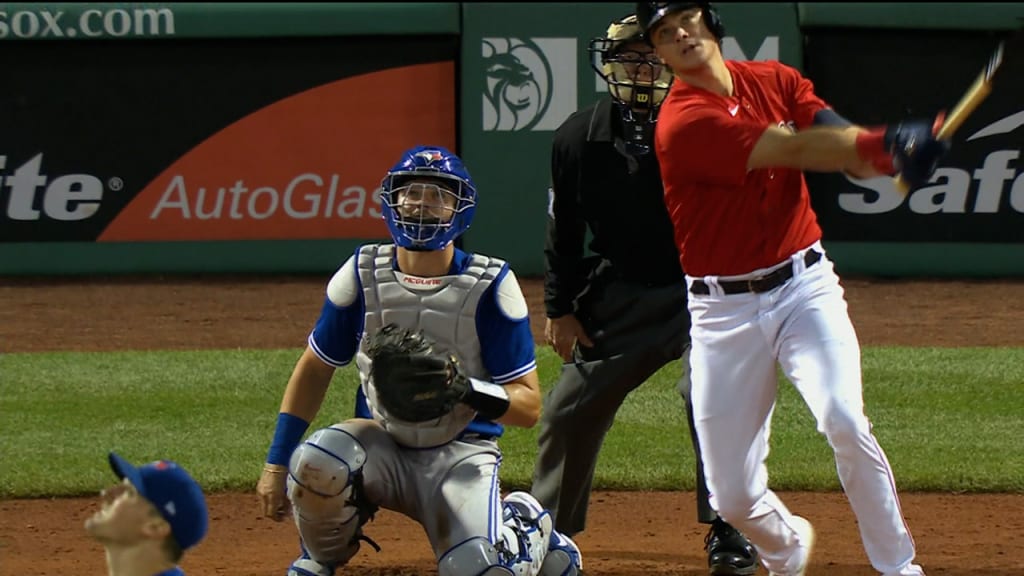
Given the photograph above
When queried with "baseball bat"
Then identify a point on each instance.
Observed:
(970, 101)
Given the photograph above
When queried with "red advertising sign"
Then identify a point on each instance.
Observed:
(305, 167)
(214, 139)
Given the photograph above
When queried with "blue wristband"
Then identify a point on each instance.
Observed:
(287, 434)
(829, 117)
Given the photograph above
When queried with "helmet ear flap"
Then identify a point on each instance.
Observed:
(713, 21)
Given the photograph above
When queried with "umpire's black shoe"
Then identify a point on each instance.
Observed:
(729, 551)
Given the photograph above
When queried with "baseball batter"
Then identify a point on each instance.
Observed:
(435, 461)
(618, 316)
(733, 139)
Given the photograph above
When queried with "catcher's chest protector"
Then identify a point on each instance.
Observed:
(447, 314)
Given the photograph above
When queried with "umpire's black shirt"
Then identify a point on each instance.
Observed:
(596, 184)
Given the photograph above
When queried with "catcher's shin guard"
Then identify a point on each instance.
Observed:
(325, 489)
(474, 557)
(563, 557)
(526, 533)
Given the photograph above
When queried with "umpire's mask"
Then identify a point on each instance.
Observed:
(637, 80)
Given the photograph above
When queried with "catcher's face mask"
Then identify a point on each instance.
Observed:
(425, 202)
(428, 199)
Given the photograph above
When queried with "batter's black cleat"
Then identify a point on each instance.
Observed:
(729, 551)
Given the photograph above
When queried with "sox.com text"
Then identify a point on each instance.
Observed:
(90, 23)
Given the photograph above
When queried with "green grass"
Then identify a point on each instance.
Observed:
(949, 420)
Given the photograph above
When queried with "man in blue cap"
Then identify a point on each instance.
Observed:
(148, 520)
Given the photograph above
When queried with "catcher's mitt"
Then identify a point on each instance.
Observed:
(413, 383)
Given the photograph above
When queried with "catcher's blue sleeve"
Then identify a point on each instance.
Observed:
(503, 328)
(335, 337)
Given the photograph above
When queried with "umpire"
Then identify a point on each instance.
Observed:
(620, 315)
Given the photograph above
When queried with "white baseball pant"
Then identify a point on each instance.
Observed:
(804, 326)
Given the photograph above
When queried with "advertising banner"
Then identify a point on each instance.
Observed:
(213, 139)
(874, 77)
(525, 69)
(912, 15)
(166, 20)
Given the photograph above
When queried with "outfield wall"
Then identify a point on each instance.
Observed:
(222, 137)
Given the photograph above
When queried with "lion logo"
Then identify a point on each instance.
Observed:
(530, 84)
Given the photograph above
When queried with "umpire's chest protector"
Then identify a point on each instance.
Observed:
(446, 313)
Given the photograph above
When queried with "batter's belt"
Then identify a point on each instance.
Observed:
(765, 283)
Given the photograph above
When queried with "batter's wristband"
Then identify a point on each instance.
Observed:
(488, 399)
(287, 434)
(871, 148)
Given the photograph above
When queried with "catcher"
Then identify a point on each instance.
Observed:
(445, 355)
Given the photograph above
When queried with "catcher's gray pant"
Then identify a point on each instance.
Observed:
(451, 490)
(636, 331)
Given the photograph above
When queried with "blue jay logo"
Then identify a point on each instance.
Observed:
(430, 156)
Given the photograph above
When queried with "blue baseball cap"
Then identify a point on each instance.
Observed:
(177, 496)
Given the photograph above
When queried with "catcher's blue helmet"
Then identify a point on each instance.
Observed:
(432, 228)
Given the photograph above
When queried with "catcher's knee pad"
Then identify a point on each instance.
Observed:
(525, 532)
(474, 557)
(325, 489)
(323, 472)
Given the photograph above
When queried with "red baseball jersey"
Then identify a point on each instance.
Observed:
(729, 221)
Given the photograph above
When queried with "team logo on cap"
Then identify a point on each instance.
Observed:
(430, 156)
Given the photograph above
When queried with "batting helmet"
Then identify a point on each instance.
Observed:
(651, 13)
(635, 79)
(424, 225)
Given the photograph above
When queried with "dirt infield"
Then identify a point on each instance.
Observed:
(629, 533)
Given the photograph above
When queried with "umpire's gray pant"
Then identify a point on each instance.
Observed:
(636, 331)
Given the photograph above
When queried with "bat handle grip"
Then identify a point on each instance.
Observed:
(901, 185)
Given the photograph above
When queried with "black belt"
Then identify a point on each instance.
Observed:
(765, 283)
